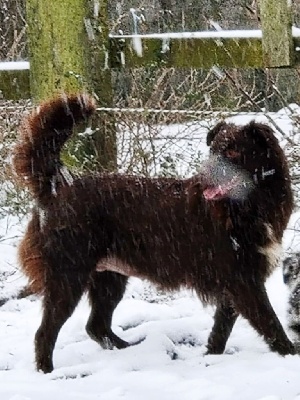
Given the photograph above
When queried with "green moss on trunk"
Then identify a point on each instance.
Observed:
(58, 46)
(68, 43)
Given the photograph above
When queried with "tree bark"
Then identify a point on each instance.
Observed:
(68, 52)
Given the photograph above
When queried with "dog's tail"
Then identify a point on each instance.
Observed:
(36, 157)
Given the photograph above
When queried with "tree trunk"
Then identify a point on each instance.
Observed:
(68, 48)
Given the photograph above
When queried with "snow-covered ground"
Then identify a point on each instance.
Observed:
(169, 364)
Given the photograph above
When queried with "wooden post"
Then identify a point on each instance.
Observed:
(277, 41)
(68, 50)
(14, 84)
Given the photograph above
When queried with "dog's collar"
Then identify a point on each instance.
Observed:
(268, 172)
(264, 174)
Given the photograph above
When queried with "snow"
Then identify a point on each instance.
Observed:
(137, 42)
(169, 364)
(226, 34)
(13, 65)
(251, 33)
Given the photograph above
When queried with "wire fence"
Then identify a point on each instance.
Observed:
(162, 115)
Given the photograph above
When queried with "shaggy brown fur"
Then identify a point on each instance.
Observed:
(202, 233)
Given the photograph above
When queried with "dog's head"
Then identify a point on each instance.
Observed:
(246, 171)
(242, 158)
(291, 269)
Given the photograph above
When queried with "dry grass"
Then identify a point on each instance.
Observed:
(12, 199)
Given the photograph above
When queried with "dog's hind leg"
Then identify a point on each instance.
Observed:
(105, 291)
(60, 299)
(224, 319)
(252, 302)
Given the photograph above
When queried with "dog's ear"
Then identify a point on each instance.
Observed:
(260, 132)
(221, 126)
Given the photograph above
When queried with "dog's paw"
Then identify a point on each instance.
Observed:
(297, 347)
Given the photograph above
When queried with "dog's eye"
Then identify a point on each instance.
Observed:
(231, 153)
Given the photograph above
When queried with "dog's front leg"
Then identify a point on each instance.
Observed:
(224, 319)
(252, 302)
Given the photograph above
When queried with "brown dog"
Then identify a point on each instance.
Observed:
(217, 232)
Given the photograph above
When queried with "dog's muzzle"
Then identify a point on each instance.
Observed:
(222, 179)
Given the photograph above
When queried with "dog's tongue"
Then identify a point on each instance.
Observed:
(214, 193)
(220, 191)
